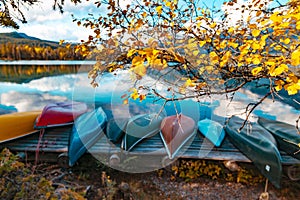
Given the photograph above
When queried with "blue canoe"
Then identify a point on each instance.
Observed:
(87, 129)
(259, 146)
(139, 128)
(212, 130)
(115, 129)
(286, 135)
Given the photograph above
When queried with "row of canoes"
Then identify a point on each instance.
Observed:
(258, 141)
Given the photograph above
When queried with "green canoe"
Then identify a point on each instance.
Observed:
(139, 128)
(259, 146)
(286, 135)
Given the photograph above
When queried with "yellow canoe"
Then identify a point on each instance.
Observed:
(15, 125)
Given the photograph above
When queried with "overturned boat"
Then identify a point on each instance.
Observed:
(176, 131)
(286, 135)
(258, 145)
(60, 114)
(87, 129)
(139, 128)
(16, 125)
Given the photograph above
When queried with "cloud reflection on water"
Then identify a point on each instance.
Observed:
(37, 93)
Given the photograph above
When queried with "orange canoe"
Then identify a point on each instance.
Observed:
(15, 125)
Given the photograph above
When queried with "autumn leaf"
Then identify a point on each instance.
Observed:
(256, 70)
(279, 70)
(255, 32)
(142, 97)
(159, 10)
(134, 95)
(295, 57)
(61, 42)
(279, 84)
(292, 88)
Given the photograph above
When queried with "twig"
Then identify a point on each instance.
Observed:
(253, 108)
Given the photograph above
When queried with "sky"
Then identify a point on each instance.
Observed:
(45, 23)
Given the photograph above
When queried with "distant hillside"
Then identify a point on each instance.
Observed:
(22, 38)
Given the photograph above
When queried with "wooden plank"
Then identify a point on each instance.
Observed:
(55, 141)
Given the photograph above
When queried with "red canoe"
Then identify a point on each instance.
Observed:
(176, 131)
(60, 114)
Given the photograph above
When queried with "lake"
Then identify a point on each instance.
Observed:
(30, 85)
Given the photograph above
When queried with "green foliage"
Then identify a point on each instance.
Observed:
(192, 169)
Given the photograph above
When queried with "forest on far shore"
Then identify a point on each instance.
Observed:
(19, 46)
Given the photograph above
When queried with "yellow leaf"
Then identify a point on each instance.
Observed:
(231, 30)
(189, 83)
(279, 84)
(144, 14)
(134, 95)
(255, 45)
(279, 70)
(131, 52)
(125, 101)
(202, 43)
(140, 70)
(256, 60)
(213, 57)
(292, 88)
(286, 41)
(137, 60)
(295, 57)
(256, 70)
(159, 10)
(213, 25)
(233, 44)
(61, 42)
(223, 44)
(255, 32)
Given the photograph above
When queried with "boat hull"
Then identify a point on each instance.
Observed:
(259, 146)
(86, 131)
(139, 128)
(60, 114)
(115, 129)
(16, 125)
(175, 132)
(212, 130)
(286, 135)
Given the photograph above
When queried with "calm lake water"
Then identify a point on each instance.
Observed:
(30, 85)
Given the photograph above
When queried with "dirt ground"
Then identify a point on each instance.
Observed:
(97, 181)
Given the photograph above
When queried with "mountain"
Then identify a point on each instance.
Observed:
(22, 38)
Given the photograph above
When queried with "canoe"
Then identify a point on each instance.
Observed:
(115, 129)
(286, 135)
(86, 131)
(139, 128)
(16, 125)
(60, 114)
(176, 131)
(259, 146)
(212, 130)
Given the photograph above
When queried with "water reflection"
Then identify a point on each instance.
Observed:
(37, 92)
(25, 73)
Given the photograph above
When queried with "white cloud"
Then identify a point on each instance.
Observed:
(240, 11)
(282, 112)
(46, 23)
(29, 101)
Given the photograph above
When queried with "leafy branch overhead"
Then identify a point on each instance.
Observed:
(210, 53)
(193, 49)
